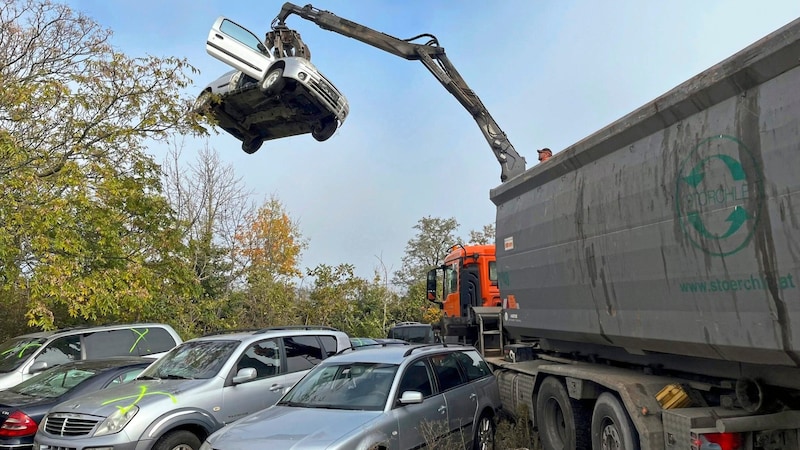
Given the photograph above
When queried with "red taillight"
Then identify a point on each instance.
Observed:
(18, 424)
(722, 441)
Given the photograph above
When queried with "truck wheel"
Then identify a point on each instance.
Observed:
(484, 433)
(612, 429)
(563, 422)
(273, 81)
(178, 440)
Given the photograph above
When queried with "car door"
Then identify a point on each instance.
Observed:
(244, 398)
(237, 47)
(420, 425)
(461, 398)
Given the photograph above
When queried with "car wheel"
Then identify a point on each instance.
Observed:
(484, 433)
(563, 422)
(273, 81)
(324, 130)
(178, 440)
(611, 426)
(251, 146)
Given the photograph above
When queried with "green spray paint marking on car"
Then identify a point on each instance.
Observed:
(142, 393)
(21, 349)
(141, 336)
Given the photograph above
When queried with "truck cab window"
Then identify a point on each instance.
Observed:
(450, 281)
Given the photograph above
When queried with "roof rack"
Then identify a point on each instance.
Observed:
(377, 344)
(231, 331)
(423, 346)
(295, 327)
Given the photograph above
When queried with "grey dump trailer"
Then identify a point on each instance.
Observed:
(655, 269)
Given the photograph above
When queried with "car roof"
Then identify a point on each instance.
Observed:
(393, 354)
(84, 329)
(257, 334)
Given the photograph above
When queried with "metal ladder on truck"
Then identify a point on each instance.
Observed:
(490, 329)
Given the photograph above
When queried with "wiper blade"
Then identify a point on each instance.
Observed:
(177, 377)
(147, 377)
(288, 403)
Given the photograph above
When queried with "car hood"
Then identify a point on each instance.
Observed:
(142, 393)
(277, 428)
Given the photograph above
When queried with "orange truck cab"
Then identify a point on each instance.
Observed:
(469, 279)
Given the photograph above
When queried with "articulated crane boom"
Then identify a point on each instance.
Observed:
(434, 58)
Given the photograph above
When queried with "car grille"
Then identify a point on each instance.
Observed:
(70, 424)
(325, 91)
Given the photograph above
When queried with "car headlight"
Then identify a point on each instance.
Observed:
(117, 421)
(206, 446)
(234, 80)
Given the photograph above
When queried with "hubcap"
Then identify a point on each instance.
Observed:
(610, 437)
(485, 437)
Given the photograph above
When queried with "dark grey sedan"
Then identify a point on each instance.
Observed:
(23, 406)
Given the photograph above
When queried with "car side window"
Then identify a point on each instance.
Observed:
(416, 378)
(241, 34)
(474, 366)
(329, 345)
(128, 341)
(447, 372)
(264, 356)
(302, 352)
(61, 350)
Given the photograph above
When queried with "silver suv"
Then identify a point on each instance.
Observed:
(24, 356)
(191, 391)
(397, 397)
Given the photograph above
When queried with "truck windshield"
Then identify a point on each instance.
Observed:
(14, 352)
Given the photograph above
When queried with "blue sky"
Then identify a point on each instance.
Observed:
(550, 72)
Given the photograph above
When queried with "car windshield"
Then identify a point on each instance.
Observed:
(359, 386)
(199, 359)
(14, 352)
(53, 382)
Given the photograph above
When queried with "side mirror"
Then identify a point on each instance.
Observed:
(38, 366)
(411, 398)
(245, 374)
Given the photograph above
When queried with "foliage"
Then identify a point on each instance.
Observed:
(483, 236)
(271, 242)
(85, 232)
(426, 250)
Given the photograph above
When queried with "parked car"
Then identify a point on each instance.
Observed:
(360, 342)
(393, 397)
(267, 97)
(191, 391)
(416, 332)
(23, 356)
(23, 406)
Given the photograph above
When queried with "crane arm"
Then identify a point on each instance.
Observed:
(435, 60)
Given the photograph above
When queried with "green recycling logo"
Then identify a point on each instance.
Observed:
(719, 195)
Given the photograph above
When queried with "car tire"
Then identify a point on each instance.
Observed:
(563, 422)
(484, 433)
(611, 426)
(251, 146)
(203, 103)
(324, 130)
(178, 440)
(273, 81)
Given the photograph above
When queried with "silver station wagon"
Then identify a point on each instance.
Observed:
(382, 398)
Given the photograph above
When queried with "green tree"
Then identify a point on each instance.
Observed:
(483, 236)
(426, 250)
(86, 233)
